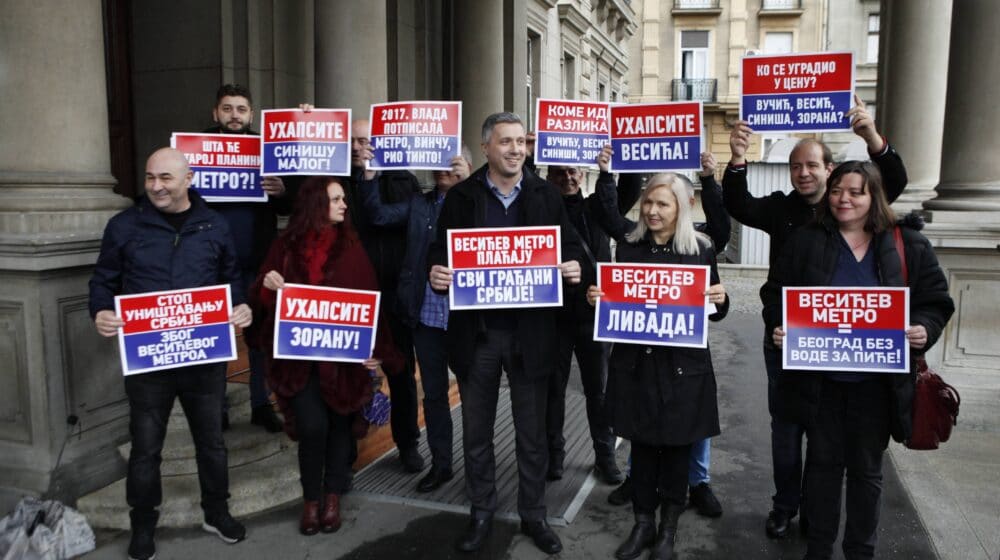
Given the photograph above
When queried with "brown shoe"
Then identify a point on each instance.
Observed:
(309, 524)
(330, 518)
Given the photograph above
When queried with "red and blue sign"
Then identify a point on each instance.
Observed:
(654, 304)
(415, 134)
(325, 324)
(226, 166)
(654, 137)
(503, 268)
(797, 92)
(295, 142)
(177, 328)
(570, 133)
(846, 329)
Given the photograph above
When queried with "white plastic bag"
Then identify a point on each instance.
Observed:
(44, 530)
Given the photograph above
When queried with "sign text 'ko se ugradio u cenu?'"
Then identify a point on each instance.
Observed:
(797, 92)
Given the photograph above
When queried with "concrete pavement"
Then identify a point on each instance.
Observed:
(955, 490)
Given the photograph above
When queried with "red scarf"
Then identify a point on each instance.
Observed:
(316, 251)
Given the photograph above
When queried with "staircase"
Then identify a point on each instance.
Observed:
(263, 472)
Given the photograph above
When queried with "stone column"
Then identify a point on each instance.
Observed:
(479, 67)
(914, 64)
(970, 166)
(351, 55)
(55, 198)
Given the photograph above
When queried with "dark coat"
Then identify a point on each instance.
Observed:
(540, 205)
(809, 259)
(346, 387)
(254, 224)
(141, 252)
(385, 245)
(419, 213)
(664, 395)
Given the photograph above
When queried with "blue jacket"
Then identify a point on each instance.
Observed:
(420, 214)
(141, 253)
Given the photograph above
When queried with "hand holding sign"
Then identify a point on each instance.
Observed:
(864, 125)
(570, 271)
(716, 294)
(241, 316)
(440, 277)
(274, 281)
(916, 335)
(778, 336)
(593, 293)
(604, 158)
(108, 323)
(739, 142)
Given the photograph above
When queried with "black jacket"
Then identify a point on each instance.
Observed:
(385, 245)
(809, 258)
(664, 395)
(254, 225)
(540, 205)
(141, 252)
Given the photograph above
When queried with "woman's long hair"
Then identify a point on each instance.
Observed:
(685, 239)
(312, 211)
(880, 215)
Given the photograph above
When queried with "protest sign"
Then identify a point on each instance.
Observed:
(498, 268)
(656, 304)
(797, 92)
(176, 328)
(226, 166)
(846, 329)
(653, 137)
(415, 134)
(570, 133)
(295, 142)
(325, 324)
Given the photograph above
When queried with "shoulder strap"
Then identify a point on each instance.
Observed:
(897, 236)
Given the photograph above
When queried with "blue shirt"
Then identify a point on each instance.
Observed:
(505, 199)
(853, 273)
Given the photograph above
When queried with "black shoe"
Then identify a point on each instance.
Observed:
(227, 528)
(412, 461)
(607, 471)
(265, 417)
(434, 479)
(777, 523)
(543, 536)
(475, 536)
(142, 546)
(642, 537)
(225, 420)
(621, 495)
(703, 500)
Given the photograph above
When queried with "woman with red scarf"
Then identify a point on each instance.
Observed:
(320, 400)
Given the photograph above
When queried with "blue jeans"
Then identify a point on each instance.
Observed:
(151, 397)
(786, 443)
(429, 343)
(698, 463)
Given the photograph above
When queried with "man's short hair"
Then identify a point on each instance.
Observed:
(233, 90)
(502, 117)
(827, 153)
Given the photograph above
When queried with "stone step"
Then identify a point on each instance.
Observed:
(255, 487)
(245, 444)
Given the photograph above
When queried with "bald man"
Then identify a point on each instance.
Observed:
(170, 240)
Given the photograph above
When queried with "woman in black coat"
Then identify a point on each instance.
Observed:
(850, 416)
(663, 398)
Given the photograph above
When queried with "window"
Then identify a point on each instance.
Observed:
(871, 54)
(533, 76)
(779, 42)
(602, 92)
(694, 55)
(568, 77)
